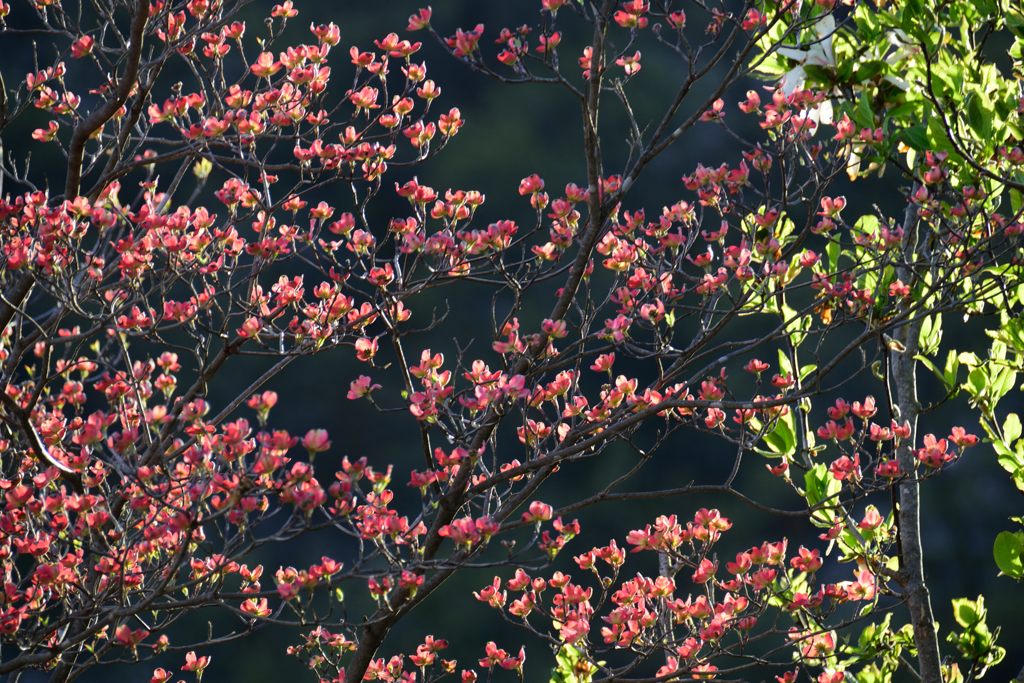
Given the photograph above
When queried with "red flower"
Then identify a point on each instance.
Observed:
(632, 14)
(961, 438)
(705, 571)
(195, 663)
(362, 387)
(935, 452)
(808, 561)
(285, 10)
(420, 20)
(316, 441)
(82, 47)
(631, 65)
(539, 512)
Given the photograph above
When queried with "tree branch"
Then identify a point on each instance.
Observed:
(909, 512)
(96, 120)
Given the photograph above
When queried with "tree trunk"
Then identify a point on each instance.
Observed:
(903, 385)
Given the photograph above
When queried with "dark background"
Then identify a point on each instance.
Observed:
(510, 133)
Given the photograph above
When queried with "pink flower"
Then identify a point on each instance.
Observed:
(316, 441)
(361, 388)
(555, 329)
(366, 349)
(866, 410)
(250, 328)
(705, 571)
(716, 112)
(539, 512)
(468, 532)
(256, 607)
(263, 402)
(631, 65)
(899, 290)
(808, 561)
(46, 134)
(889, 469)
(753, 20)
(935, 452)
(631, 14)
(961, 438)
(82, 47)
(548, 42)
(195, 663)
(808, 258)
(752, 103)
(285, 10)
(128, 637)
(496, 656)
(492, 594)
(531, 184)
(420, 20)
(265, 66)
(677, 20)
(845, 468)
(872, 519)
(756, 366)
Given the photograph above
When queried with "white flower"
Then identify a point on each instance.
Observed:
(818, 53)
(904, 49)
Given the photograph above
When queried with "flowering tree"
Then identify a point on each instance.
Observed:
(189, 236)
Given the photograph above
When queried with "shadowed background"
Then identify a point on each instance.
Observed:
(510, 133)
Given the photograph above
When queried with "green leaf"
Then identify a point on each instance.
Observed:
(864, 114)
(967, 612)
(913, 9)
(1003, 383)
(820, 485)
(867, 224)
(785, 367)
(969, 358)
(872, 674)
(782, 439)
(931, 334)
(937, 138)
(870, 636)
(979, 117)
(571, 667)
(818, 74)
(1011, 428)
(916, 137)
(977, 382)
(951, 370)
(815, 481)
(832, 251)
(1015, 22)
(869, 70)
(1008, 547)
